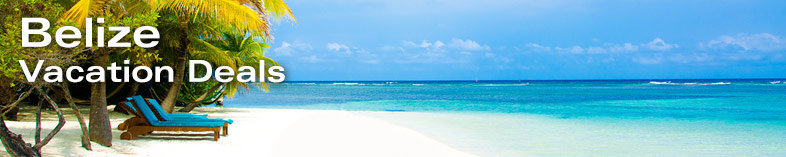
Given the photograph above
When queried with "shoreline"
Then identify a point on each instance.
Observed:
(265, 132)
(315, 132)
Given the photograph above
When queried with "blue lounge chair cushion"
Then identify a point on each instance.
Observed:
(193, 116)
(186, 119)
(128, 104)
(150, 117)
(180, 116)
(157, 107)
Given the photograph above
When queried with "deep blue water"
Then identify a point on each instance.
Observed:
(756, 100)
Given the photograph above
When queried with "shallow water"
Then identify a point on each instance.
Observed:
(511, 118)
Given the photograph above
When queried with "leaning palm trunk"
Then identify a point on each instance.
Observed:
(100, 129)
(171, 97)
(191, 106)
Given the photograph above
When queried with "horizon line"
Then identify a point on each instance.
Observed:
(549, 79)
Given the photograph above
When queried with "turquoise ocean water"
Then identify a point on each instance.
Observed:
(571, 117)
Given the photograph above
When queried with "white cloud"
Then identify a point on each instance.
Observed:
(592, 49)
(287, 49)
(574, 49)
(659, 45)
(468, 45)
(537, 47)
(284, 49)
(437, 45)
(455, 51)
(627, 47)
(746, 42)
(339, 47)
(656, 44)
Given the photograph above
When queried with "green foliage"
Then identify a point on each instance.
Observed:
(235, 49)
(11, 33)
(139, 55)
(224, 32)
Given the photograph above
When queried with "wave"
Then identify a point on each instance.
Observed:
(778, 82)
(418, 84)
(689, 83)
(348, 84)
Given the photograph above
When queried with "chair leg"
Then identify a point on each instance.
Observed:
(125, 124)
(226, 130)
(128, 123)
(125, 136)
(121, 126)
(216, 134)
(134, 131)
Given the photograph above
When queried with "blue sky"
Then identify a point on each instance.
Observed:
(531, 39)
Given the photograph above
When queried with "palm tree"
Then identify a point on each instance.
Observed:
(233, 50)
(187, 12)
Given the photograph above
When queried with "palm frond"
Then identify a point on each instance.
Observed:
(84, 9)
(202, 50)
(278, 8)
(231, 12)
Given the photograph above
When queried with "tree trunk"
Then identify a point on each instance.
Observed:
(171, 97)
(174, 90)
(85, 136)
(191, 106)
(38, 121)
(13, 106)
(60, 122)
(100, 129)
(14, 144)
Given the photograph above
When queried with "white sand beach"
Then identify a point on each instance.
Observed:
(259, 132)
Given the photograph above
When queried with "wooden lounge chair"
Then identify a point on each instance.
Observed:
(163, 116)
(136, 120)
(150, 123)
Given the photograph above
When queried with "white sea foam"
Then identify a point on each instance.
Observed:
(777, 82)
(660, 83)
(418, 84)
(689, 83)
(720, 83)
